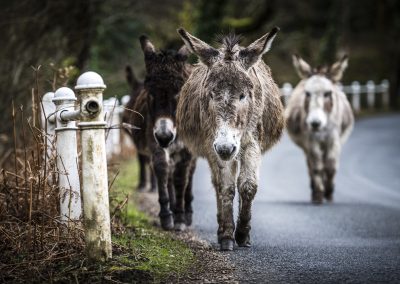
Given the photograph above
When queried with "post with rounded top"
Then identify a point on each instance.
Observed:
(371, 94)
(48, 121)
(287, 90)
(90, 88)
(67, 156)
(355, 101)
(385, 93)
(113, 117)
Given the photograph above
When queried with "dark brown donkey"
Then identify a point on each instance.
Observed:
(147, 179)
(156, 138)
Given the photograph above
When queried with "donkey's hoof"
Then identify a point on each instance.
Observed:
(142, 188)
(167, 222)
(188, 219)
(328, 196)
(317, 198)
(242, 239)
(179, 227)
(226, 245)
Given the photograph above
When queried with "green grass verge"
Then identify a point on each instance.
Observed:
(151, 249)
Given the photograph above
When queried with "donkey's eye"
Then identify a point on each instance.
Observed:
(308, 94)
(327, 94)
(242, 97)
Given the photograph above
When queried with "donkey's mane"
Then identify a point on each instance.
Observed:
(229, 42)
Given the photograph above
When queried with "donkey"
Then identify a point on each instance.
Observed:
(156, 138)
(319, 120)
(147, 179)
(230, 113)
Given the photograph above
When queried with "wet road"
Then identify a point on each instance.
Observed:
(356, 239)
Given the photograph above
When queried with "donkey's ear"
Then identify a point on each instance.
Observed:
(337, 69)
(147, 46)
(251, 54)
(303, 69)
(207, 54)
(183, 53)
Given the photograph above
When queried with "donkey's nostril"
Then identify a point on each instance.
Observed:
(233, 149)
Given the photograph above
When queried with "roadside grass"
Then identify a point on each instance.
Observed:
(149, 248)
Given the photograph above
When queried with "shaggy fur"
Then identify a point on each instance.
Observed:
(173, 165)
(231, 94)
(322, 147)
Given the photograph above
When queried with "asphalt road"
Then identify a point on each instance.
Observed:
(356, 239)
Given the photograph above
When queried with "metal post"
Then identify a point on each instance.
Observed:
(67, 156)
(48, 121)
(286, 92)
(90, 88)
(112, 109)
(371, 94)
(385, 93)
(355, 90)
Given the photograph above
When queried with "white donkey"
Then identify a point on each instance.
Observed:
(319, 120)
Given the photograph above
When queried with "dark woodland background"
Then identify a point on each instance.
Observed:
(103, 36)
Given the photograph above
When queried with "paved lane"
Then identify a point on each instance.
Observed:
(356, 239)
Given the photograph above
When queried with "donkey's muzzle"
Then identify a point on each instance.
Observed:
(315, 125)
(225, 151)
(164, 139)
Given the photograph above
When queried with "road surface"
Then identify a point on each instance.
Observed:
(356, 239)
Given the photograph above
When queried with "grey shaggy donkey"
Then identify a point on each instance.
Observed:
(230, 112)
(319, 120)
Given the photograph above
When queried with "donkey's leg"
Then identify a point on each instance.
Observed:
(153, 179)
(189, 194)
(224, 179)
(330, 167)
(181, 179)
(316, 170)
(247, 186)
(143, 172)
(160, 165)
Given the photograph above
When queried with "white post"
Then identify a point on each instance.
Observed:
(112, 109)
(371, 94)
(48, 121)
(90, 88)
(126, 140)
(286, 91)
(356, 90)
(67, 156)
(385, 93)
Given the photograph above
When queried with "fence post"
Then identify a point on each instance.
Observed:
(385, 93)
(112, 109)
(356, 90)
(371, 94)
(90, 88)
(48, 121)
(287, 91)
(67, 156)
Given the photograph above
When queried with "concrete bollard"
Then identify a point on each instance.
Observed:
(67, 156)
(287, 90)
(355, 101)
(371, 94)
(48, 121)
(90, 88)
(113, 140)
(385, 93)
